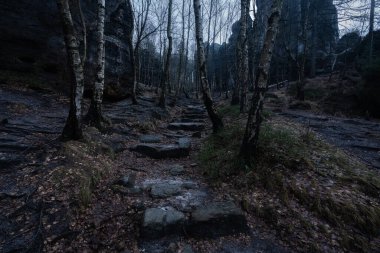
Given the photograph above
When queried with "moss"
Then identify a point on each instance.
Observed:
(219, 155)
(229, 111)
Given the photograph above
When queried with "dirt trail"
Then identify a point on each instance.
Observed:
(156, 167)
(358, 136)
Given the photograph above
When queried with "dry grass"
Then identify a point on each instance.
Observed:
(299, 185)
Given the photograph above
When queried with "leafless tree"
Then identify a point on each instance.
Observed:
(73, 127)
(95, 116)
(252, 129)
(166, 74)
(217, 122)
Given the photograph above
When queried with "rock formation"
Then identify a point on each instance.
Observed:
(31, 42)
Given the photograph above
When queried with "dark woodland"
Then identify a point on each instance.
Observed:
(198, 126)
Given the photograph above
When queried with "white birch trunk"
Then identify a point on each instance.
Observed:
(73, 127)
(217, 122)
(252, 130)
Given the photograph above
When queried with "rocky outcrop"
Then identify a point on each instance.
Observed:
(323, 34)
(31, 41)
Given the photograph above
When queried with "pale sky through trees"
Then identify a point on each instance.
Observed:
(353, 15)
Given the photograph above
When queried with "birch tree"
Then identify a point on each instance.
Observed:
(242, 54)
(181, 52)
(95, 116)
(217, 122)
(371, 22)
(166, 75)
(252, 130)
(73, 126)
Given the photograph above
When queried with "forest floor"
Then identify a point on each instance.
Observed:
(96, 195)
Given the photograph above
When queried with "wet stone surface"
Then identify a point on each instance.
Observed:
(150, 138)
(159, 222)
(217, 219)
(162, 151)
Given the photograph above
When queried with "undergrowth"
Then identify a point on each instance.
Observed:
(292, 164)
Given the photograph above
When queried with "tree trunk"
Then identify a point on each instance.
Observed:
(371, 21)
(187, 43)
(95, 116)
(135, 66)
(252, 130)
(242, 55)
(301, 69)
(181, 54)
(166, 74)
(313, 55)
(217, 122)
(73, 127)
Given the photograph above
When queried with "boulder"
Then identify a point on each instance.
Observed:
(32, 42)
(158, 222)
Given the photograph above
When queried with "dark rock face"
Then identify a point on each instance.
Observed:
(32, 42)
(322, 38)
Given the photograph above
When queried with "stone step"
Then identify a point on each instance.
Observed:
(196, 110)
(209, 221)
(187, 120)
(217, 219)
(162, 151)
(158, 222)
(186, 126)
(150, 138)
(194, 116)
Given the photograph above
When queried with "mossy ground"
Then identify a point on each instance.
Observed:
(298, 185)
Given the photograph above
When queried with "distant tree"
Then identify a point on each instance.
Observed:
(181, 52)
(242, 54)
(371, 23)
(141, 19)
(217, 122)
(252, 129)
(73, 126)
(166, 74)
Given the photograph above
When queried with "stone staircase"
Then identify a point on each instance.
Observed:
(182, 207)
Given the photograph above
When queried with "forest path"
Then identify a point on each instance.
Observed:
(357, 136)
(155, 173)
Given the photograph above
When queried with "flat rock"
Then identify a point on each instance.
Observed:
(158, 222)
(165, 190)
(150, 138)
(195, 116)
(187, 120)
(186, 126)
(163, 151)
(217, 219)
(169, 188)
(184, 143)
(176, 170)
